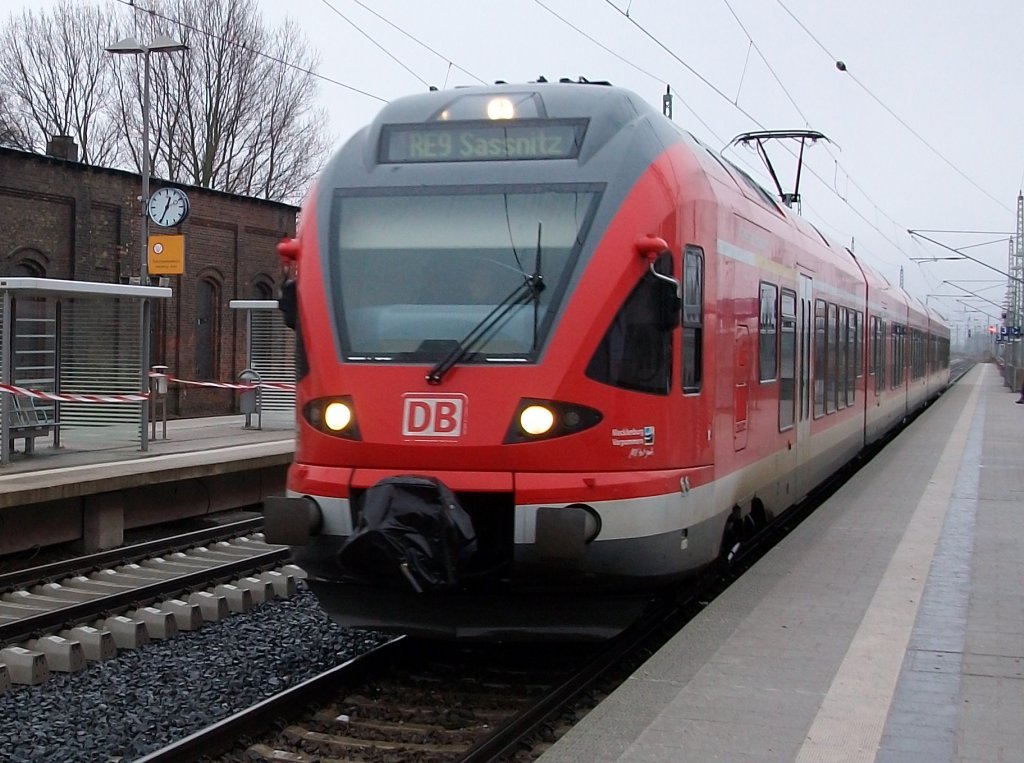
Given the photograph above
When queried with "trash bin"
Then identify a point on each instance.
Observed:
(158, 380)
(249, 399)
(158, 397)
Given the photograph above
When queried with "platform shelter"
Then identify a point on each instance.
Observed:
(74, 358)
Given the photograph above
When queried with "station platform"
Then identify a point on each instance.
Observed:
(888, 626)
(92, 488)
(82, 461)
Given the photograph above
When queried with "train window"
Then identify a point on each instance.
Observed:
(918, 354)
(787, 360)
(858, 344)
(872, 346)
(408, 286)
(878, 346)
(897, 354)
(768, 332)
(804, 364)
(853, 355)
(636, 352)
(693, 319)
(819, 358)
(831, 353)
(843, 350)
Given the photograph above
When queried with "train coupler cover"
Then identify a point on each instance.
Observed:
(412, 533)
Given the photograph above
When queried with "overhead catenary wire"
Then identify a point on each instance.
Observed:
(764, 58)
(628, 62)
(156, 14)
(380, 47)
(844, 67)
(757, 122)
(418, 41)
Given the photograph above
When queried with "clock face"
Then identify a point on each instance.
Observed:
(168, 206)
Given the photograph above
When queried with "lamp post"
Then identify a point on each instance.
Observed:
(131, 46)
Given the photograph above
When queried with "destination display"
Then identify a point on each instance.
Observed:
(481, 141)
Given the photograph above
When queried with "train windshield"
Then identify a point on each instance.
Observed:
(413, 275)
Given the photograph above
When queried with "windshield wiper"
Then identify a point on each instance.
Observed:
(528, 291)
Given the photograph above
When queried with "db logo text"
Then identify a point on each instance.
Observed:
(433, 415)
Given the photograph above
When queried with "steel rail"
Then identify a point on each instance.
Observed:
(137, 596)
(222, 734)
(124, 554)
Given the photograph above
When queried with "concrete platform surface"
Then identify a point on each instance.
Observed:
(192, 447)
(99, 484)
(889, 626)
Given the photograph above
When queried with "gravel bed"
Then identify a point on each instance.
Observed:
(144, 699)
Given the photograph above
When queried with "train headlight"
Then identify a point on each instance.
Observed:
(334, 416)
(536, 419)
(500, 108)
(337, 416)
(545, 419)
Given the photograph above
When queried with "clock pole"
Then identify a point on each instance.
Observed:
(130, 46)
(144, 265)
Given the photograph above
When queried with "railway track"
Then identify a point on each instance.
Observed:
(60, 616)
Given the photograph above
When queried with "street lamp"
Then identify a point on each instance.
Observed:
(129, 45)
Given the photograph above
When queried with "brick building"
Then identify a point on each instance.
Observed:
(63, 219)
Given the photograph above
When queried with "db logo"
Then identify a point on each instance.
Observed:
(433, 415)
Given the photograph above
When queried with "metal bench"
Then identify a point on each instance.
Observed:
(29, 421)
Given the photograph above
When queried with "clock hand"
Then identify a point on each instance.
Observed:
(163, 215)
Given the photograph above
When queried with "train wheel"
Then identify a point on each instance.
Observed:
(732, 537)
(759, 515)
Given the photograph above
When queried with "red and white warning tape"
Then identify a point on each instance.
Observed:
(72, 398)
(133, 397)
(284, 386)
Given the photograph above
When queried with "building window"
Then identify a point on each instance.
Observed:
(262, 289)
(207, 329)
(26, 263)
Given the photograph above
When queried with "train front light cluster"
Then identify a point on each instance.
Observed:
(546, 419)
(334, 416)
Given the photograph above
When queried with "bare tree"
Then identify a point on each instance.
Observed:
(14, 133)
(236, 112)
(53, 79)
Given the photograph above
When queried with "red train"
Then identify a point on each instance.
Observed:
(557, 354)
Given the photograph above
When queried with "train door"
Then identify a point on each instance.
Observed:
(741, 393)
(804, 330)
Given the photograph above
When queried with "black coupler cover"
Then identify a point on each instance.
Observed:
(412, 533)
